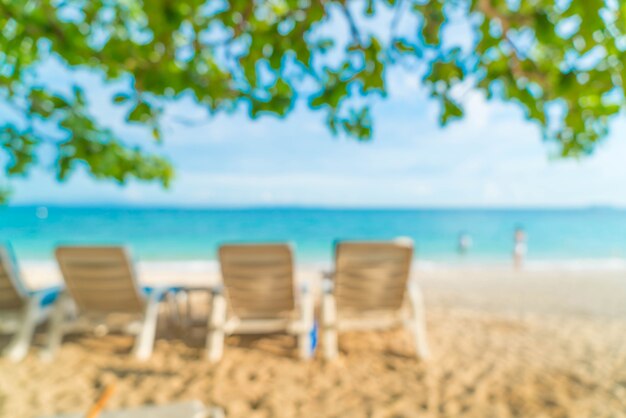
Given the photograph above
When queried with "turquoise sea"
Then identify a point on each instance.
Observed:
(194, 234)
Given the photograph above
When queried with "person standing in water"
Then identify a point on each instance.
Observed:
(465, 243)
(520, 248)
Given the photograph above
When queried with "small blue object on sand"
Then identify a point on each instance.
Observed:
(148, 290)
(313, 338)
(46, 296)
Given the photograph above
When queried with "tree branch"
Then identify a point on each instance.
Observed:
(516, 63)
(397, 15)
(354, 30)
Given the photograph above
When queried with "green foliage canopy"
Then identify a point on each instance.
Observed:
(562, 62)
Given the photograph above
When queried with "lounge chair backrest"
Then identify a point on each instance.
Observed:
(372, 276)
(258, 279)
(100, 279)
(12, 294)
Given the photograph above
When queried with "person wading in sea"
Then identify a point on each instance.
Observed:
(520, 247)
(465, 243)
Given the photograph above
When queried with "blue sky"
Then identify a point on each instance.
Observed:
(491, 158)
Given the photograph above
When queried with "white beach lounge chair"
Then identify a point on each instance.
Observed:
(21, 310)
(101, 281)
(370, 289)
(258, 297)
(190, 409)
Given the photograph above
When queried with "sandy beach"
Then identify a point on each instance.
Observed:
(542, 343)
(456, 168)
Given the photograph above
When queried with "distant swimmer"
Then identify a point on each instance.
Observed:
(520, 248)
(465, 243)
(42, 212)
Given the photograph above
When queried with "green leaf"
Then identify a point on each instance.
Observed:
(142, 113)
(267, 55)
(451, 111)
(121, 98)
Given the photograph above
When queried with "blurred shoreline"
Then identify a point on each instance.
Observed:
(39, 273)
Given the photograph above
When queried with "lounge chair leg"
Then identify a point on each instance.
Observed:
(215, 336)
(304, 345)
(329, 323)
(418, 322)
(180, 299)
(173, 309)
(144, 343)
(56, 328)
(18, 347)
(304, 336)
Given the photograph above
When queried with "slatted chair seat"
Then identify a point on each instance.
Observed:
(370, 289)
(258, 297)
(100, 283)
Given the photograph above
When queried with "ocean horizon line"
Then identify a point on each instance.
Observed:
(347, 208)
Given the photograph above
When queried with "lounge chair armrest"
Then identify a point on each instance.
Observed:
(217, 315)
